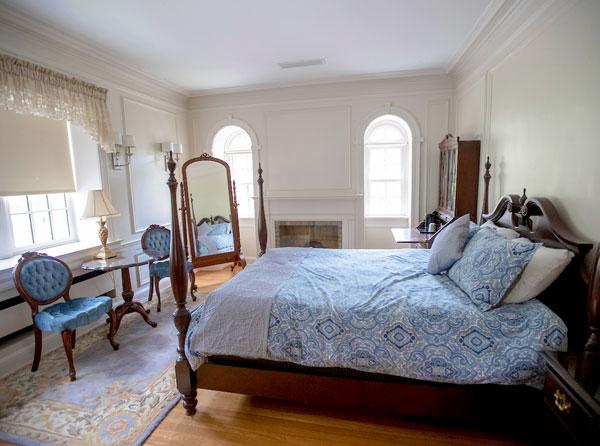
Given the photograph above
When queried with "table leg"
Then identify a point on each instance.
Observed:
(130, 306)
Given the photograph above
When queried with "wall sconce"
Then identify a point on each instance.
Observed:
(122, 154)
(168, 147)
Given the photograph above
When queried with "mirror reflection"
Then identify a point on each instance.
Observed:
(209, 208)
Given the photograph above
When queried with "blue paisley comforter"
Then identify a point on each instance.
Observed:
(372, 310)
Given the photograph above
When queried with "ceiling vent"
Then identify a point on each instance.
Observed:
(301, 63)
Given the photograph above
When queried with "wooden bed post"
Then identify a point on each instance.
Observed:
(593, 342)
(183, 220)
(186, 378)
(262, 221)
(486, 189)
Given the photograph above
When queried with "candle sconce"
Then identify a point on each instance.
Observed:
(122, 154)
(167, 148)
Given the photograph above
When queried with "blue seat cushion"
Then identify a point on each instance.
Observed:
(161, 269)
(74, 313)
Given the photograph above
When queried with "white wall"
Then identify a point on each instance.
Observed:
(538, 110)
(310, 138)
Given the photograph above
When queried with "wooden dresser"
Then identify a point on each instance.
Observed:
(572, 398)
(459, 177)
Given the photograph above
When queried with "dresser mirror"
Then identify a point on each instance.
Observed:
(210, 213)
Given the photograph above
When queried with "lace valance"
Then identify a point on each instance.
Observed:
(28, 88)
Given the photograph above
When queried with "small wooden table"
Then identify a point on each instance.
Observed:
(412, 236)
(124, 261)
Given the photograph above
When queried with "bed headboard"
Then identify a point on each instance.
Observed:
(538, 220)
(213, 220)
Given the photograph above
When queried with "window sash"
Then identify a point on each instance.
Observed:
(8, 246)
(373, 202)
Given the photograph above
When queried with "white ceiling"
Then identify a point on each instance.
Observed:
(209, 44)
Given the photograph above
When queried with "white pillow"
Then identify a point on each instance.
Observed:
(505, 232)
(543, 269)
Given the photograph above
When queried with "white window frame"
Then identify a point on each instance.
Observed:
(7, 244)
(228, 153)
(406, 146)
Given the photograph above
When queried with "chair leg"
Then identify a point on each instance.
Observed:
(112, 329)
(156, 285)
(193, 286)
(151, 288)
(66, 337)
(73, 335)
(38, 348)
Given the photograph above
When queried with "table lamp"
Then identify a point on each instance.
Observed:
(98, 206)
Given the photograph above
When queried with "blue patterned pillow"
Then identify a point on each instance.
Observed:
(489, 266)
(219, 229)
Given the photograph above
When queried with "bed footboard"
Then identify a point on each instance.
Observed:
(185, 376)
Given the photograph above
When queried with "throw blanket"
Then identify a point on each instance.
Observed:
(371, 310)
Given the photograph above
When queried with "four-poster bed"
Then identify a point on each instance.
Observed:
(535, 219)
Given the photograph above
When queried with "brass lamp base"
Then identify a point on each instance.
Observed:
(105, 253)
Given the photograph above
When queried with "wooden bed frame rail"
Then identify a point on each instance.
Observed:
(534, 218)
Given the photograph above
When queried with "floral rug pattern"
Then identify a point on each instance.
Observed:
(119, 397)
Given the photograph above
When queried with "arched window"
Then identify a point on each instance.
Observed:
(233, 145)
(387, 167)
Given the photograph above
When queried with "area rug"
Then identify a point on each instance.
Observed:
(119, 397)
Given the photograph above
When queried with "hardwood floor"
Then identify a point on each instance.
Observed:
(230, 419)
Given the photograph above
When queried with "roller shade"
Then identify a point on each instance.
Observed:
(35, 155)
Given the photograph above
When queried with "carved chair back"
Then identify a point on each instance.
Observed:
(41, 279)
(158, 239)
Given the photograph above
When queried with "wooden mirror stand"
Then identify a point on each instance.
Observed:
(191, 224)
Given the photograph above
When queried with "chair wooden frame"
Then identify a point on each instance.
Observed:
(154, 281)
(68, 336)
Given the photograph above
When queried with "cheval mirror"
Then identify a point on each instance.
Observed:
(210, 217)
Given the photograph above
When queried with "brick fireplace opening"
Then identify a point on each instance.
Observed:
(315, 234)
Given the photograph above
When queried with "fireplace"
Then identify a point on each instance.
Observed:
(315, 234)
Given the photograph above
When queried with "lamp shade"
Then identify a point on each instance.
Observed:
(98, 206)
(177, 148)
(166, 147)
(128, 141)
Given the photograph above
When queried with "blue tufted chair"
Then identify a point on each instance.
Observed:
(157, 239)
(42, 280)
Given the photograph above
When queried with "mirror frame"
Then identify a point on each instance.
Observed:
(234, 256)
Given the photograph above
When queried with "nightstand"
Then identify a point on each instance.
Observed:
(572, 397)
(412, 236)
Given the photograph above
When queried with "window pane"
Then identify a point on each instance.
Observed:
(393, 171)
(57, 201)
(60, 225)
(17, 204)
(393, 189)
(240, 142)
(41, 227)
(377, 189)
(21, 230)
(393, 155)
(377, 156)
(38, 202)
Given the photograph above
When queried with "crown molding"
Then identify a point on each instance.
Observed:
(514, 25)
(320, 81)
(317, 92)
(79, 57)
(484, 19)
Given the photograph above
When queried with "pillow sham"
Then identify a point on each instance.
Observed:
(489, 266)
(218, 229)
(448, 245)
(543, 269)
(506, 232)
(203, 229)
